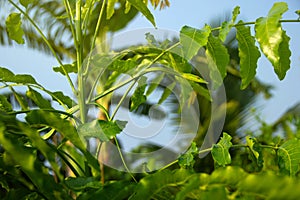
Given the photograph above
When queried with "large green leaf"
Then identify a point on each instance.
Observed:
(226, 26)
(218, 59)
(248, 54)
(141, 6)
(13, 27)
(289, 157)
(192, 40)
(272, 39)
(103, 130)
(138, 96)
(8, 76)
(38, 99)
(220, 151)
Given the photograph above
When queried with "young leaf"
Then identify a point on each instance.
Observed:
(110, 9)
(220, 151)
(187, 159)
(289, 157)
(141, 6)
(192, 40)
(103, 130)
(270, 36)
(138, 96)
(13, 27)
(226, 26)
(255, 150)
(217, 58)
(248, 54)
(167, 92)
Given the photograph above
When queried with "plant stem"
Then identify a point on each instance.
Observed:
(47, 43)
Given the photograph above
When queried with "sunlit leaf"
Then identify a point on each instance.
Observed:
(192, 40)
(38, 99)
(110, 9)
(138, 96)
(289, 157)
(187, 159)
(226, 26)
(193, 77)
(272, 39)
(13, 27)
(103, 130)
(248, 54)
(141, 6)
(218, 59)
(220, 151)
(127, 7)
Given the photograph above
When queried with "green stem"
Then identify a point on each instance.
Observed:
(47, 43)
(71, 17)
(123, 160)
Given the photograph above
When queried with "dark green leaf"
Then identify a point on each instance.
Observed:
(218, 59)
(289, 157)
(192, 40)
(69, 68)
(226, 26)
(270, 36)
(220, 151)
(82, 183)
(38, 99)
(4, 104)
(13, 27)
(248, 54)
(61, 98)
(138, 96)
(103, 130)
(141, 6)
(168, 90)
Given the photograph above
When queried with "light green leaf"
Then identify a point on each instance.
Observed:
(123, 66)
(256, 150)
(203, 91)
(289, 157)
(25, 3)
(193, 77)
(110, 9)
(127, 7)
(13, 27)
(38, 99)
(270, 35)
(4, 104)
(8, 76)
(168, 90)
(218, 59)
(138, 96)
(53, 120)
(220, 151)
(69, 68)
(141, 6)
(226, 26)
(187, 159)
(103, 130)
(5, 74)
(193, 39)
(248, 54)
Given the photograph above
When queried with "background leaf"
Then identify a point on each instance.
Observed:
(13, 27)
(227, 25)
(248, 54)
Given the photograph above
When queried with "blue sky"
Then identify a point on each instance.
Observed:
(193, 13)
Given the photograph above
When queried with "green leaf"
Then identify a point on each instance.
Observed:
(226, 26)
(110, 9)
(218, 59)
(61, 98)
(141, 6)
(256, 150)
(272, 38)
(123, 66)
(4, 104)
(38, 99)
(289, 157)
(82, 183)
(127, 7)
(69, 68)
(13, 27)
(152, 184)
(220, 151)
(203, 91)
(103, 130)
(168, 90)
(8, 76)
(25, 3)
(193, 77)
(248, 54)
(53, 120)
(138, 96)
(187, 159)
(5, 74)
(151, 40)
(193, 39)
(154, 83)
(20, 99)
